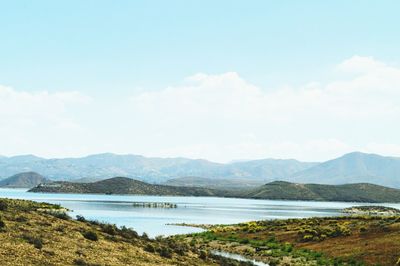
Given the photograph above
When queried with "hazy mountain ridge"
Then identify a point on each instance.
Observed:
(355, 167)
(147, 169)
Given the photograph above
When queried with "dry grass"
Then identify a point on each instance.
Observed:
(344, 240)
(33, 236)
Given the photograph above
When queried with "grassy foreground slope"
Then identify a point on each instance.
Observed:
(41, 234)
(362, 192)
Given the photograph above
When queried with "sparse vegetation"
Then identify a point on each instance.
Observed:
(35, 236)
(372, 210)
(32, 228)
(361, 240)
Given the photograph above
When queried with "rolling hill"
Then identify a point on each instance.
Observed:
(361, 192)
(223, 183)
(24, 180)
(354, 167)
(277, 190)
(123, 185)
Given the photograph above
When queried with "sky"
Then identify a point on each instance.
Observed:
(219, 80)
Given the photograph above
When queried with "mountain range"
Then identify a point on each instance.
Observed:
(155, 170)
(354, 167)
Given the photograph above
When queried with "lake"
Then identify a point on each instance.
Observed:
(119, 209)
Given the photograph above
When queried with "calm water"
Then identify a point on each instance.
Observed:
(201, 210)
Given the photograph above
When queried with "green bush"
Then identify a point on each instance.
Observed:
(21, 219)
(203, 254)
(80, 218)
(91, 235)
(80, 262)
(165, 252)
(3, 205)
(128, 233)
(60, 214)
(37, 242)
(110, 229)
(150, 248)
(145, 236)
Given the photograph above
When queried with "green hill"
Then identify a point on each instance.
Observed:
(278, 190)
(361, 192)
(123, 185)
(24, 180)
(223, 183)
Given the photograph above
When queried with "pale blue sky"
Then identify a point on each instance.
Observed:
(112, 52)
(95, 45)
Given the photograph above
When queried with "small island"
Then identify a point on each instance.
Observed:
(372, 211)
(164, 205)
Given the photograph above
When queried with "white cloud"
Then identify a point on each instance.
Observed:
(219, 117)
(219, 111)
(37, 122)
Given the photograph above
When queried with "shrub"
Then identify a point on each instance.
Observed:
(60, 228)
(80, 218)
(80, 262)
(60, 214)
(91, 235)
(3, 205)
(244, 241)
(165, 252)
(145, 236)
(37, 242)
(193, 242)
(110, 229)
(128, 233)
(2, 224)
(21, 219)
(150, 248)
(203, 254)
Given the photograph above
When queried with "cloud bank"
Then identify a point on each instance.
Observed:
(224, 117)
